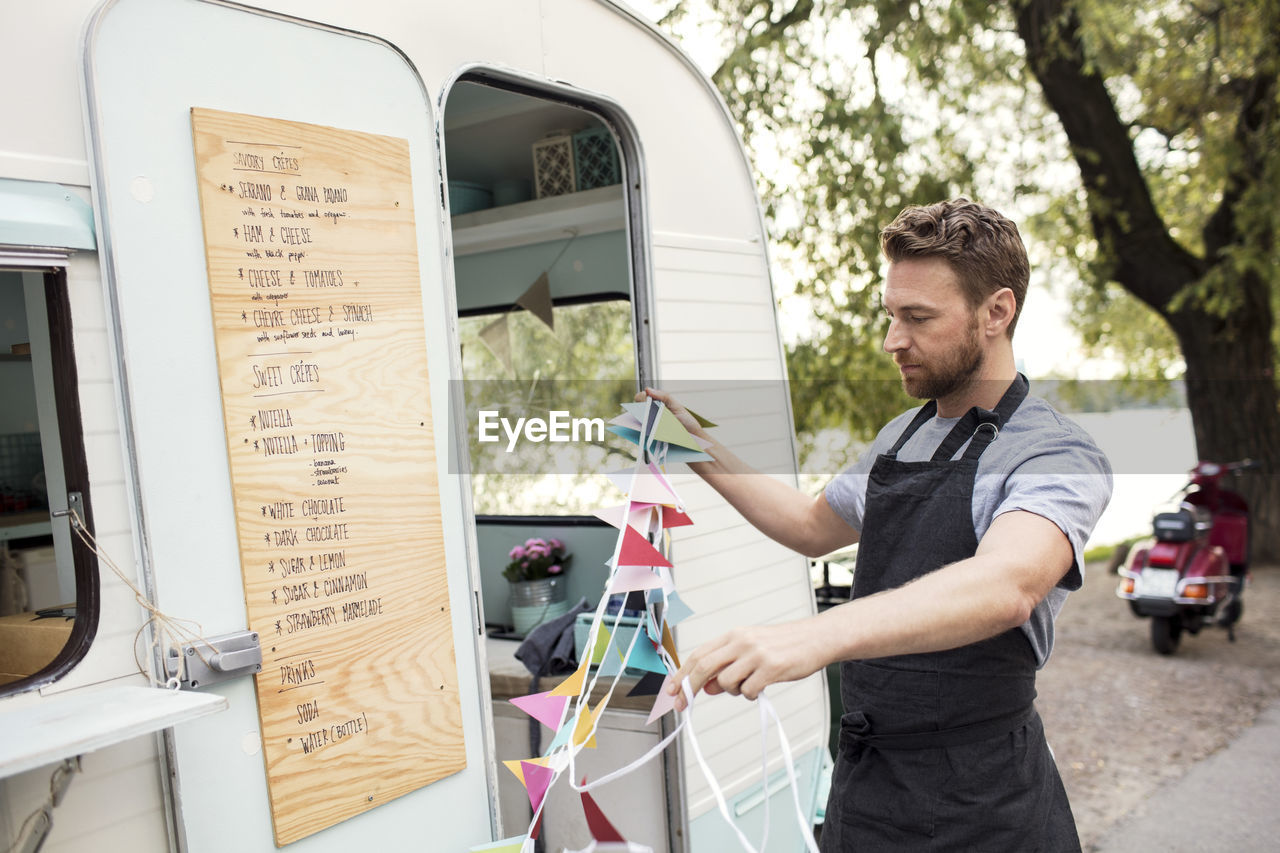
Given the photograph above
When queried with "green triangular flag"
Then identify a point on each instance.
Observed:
(670, 430)
(702, 422)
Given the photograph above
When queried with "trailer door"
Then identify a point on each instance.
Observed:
(270, 438)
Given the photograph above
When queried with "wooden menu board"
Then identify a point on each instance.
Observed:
(313, 275)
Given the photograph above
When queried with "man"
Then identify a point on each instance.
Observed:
(971, 514)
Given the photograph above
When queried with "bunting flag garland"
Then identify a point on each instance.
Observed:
(640, 569)
(536, 299)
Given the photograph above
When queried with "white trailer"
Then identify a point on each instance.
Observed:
(113, 407)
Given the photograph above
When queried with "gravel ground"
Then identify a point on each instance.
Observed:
(1123, 720)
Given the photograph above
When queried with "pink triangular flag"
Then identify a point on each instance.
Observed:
(632, 578)
(637, 515)
(643, 487)
(601, 829)
(536, 779)
(662, 478)
(543, 707)
(611, 515)
(637, 552)
(665, 701)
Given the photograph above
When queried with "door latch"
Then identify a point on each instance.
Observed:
(206, 662)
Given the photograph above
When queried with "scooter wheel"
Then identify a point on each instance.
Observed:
(1166, 631)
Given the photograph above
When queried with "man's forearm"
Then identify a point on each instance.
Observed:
(777, 509)
(957, 605)
(1019, 560)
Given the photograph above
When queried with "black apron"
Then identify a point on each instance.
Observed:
(941, 751)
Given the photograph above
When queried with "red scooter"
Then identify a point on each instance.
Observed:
(1192, 572)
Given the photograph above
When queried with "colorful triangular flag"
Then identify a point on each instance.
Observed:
(677, 610)
(572, 685)
(497, 338)
(546, 708)
(649, 684)
(601, 829)
(628, 420)
(665, 701)
(672, 517)
(536, 781)
(643, 487)
(702, 422)
(537, 301)
(513, 844)
(636, 551)
(515, 765)
(669, 429)
(634, 577)
(631, 435)
(685, 455)
(583, 729)
(644, 657)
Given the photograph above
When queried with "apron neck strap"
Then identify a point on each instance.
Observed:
(979, 424)
(926, 413)
(986, 424)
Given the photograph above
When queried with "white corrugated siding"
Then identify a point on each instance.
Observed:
(717, 341)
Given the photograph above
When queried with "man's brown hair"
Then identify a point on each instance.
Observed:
(981, 246)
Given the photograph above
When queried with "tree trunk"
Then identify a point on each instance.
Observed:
(1231, 383)
(1235, 406)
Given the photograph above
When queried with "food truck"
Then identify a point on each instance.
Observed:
(262, 266)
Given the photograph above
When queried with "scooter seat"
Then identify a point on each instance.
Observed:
(1177, 526)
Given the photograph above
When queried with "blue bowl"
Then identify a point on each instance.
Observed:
(465, 196)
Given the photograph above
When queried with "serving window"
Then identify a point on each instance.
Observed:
(48, 588)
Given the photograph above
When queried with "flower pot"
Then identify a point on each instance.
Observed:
(535, 602)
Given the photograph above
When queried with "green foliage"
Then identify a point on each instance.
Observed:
(871, 105)
(585, 367)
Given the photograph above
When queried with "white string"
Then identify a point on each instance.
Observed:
(706, 770)
(167, 632)
(588, 687)
(766, 705)
(764, 769)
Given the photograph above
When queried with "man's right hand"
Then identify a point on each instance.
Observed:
(687, 420)
(776, 508)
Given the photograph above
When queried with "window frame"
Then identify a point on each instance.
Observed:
(66, 391)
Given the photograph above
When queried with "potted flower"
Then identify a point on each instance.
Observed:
(536, 574)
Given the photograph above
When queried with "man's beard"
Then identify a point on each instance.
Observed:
(951, 375)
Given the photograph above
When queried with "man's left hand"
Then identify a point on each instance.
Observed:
(745, 661)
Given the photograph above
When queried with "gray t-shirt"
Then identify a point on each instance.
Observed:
(1041, 462)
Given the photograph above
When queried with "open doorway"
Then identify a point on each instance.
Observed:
(549, 324)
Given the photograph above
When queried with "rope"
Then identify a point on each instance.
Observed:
(167, 633)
